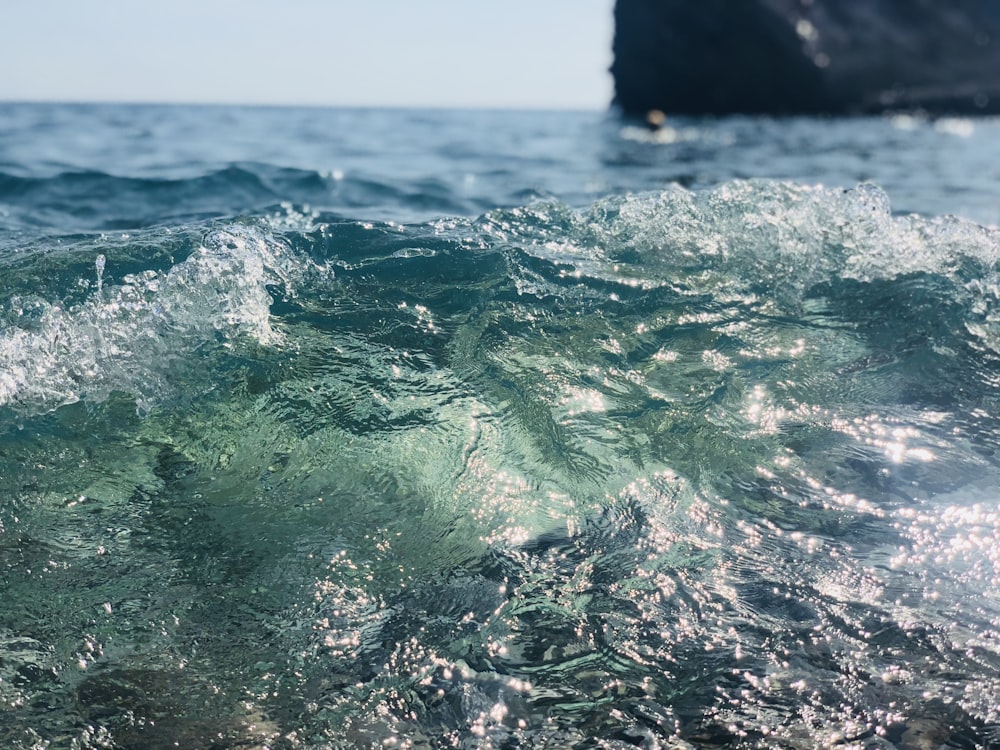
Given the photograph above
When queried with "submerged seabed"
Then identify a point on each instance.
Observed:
(683, 469)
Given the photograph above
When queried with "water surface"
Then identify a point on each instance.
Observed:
(361, 428)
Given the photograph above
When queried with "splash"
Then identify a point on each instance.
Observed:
(136, 335)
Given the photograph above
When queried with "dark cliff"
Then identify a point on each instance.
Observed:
(807, 56)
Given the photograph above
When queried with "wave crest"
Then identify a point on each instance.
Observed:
(133, 335)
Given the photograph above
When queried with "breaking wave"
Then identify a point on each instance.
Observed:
(712, 468)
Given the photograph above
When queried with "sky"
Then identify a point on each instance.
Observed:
(550, 54)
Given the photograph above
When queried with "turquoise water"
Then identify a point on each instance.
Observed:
(360, 428)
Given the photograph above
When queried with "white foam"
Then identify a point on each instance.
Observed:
(789, 234)
(134, 336)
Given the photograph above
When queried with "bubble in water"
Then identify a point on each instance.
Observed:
(99, 265)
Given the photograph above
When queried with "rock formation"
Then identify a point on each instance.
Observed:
(807, 56)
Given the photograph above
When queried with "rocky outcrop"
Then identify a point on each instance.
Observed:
(807, 56)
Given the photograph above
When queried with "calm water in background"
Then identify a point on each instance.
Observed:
(367, 428)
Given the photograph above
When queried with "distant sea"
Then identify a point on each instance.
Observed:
(345, 428)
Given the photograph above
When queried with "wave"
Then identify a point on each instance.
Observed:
(715, 466)
(98, 201)
(136, 334)
(780, 248)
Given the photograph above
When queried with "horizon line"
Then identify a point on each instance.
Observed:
(609, 107)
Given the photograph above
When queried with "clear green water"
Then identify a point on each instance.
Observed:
(671, 468)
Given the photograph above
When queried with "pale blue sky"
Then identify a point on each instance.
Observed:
(450, 53)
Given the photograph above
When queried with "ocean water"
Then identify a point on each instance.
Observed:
(420, 429)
